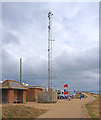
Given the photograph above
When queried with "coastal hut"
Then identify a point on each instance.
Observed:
(32, 93)
(13, 92)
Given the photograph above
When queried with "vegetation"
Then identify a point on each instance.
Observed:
(20, 111)
(84, 95)
(78, 96)
(93, 107)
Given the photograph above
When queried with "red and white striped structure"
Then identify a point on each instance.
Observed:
(65, 89)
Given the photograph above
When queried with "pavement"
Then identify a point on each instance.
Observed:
(64, 108)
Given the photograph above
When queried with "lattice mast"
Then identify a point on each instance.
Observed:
(50, 51)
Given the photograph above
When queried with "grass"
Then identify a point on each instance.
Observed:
(93, 107)
(90, 111)
(84, 95)
(20, 111)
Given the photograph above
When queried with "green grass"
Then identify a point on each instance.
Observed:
(90, 111)
(84, 95)
(93, 107)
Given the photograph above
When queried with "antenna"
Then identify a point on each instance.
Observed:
(50, 51)
(20, 70)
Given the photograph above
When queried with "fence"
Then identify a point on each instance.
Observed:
(47, 96)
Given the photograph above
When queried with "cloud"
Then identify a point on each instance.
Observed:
(75, 50)
(10, 38)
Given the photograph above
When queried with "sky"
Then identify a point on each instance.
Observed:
(75, 27)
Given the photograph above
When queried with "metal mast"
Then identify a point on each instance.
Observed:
(20, 70)
(50, 51)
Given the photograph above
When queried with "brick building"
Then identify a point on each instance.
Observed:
(32, 93)
(13, 91)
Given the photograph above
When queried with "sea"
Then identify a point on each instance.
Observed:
(95, 92)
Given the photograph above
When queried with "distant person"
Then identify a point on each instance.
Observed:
(69, 98)
(80, 96)
(80, 93)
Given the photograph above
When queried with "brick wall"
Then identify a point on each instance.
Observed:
(36, 90)
(32, 94)
(10, 98)
(24, 96)
(36, 93)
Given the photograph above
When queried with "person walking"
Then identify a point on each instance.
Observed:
(80, 96)
(69, 98)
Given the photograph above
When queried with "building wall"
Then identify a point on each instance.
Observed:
(10, 96)
(24, 96)
(32, 94)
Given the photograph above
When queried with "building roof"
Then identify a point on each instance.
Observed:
(39, 87)
(7, 84)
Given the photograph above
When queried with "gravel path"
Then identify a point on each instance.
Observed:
(64, 108)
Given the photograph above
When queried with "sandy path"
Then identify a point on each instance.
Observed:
(64, 108)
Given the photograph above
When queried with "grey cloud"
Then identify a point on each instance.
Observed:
(32, 73)
(10, 38)
(10, 67)
(17, 16)
(76, 65)
(87, 60)
(78, 71)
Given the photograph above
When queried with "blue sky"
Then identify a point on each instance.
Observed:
(75, 50)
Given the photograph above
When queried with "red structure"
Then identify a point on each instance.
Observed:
(13, 92)
(65, 93)
(32, 93)
(66, 85)
(65, 89)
